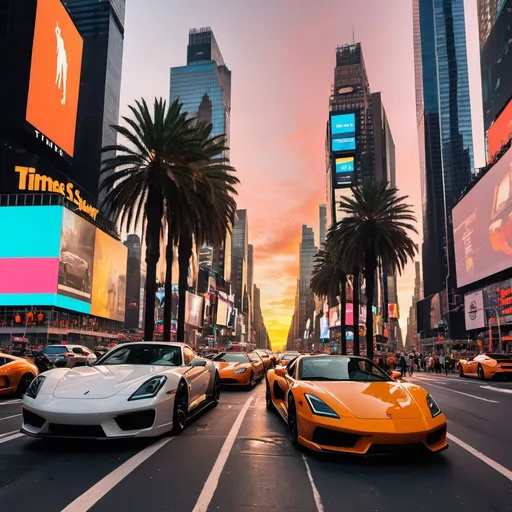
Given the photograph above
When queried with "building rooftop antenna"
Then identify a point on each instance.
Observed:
(353, 35)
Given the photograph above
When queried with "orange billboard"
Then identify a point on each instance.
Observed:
(52, 102)
(500, 131)
(109, 277)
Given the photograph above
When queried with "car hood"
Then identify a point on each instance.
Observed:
(372, 400)
(103, 381)
(223, 366)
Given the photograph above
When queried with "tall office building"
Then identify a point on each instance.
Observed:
(488, 12)
(204, 84)
(307, 253)
(239, 258)
(250, 270)
(412, 320)
(101, 24)
(444, 129)
(133, 282)
(322, 217)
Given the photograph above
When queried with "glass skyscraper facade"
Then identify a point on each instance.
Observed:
(204, 84)
(444, 128)
(101, 24)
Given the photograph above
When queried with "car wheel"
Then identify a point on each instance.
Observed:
(216, 390)
(179, 419)
(481, 373)
(461, 371)
(293, 428)
(24, 384)
(268, 397)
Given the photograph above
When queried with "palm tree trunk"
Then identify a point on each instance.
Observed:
(184, 254)
(369, 275)
(355, 321)
(343, 314)
(154, 214)
(169, 258)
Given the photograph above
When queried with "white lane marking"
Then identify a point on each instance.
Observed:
(465, 394)
(11, 437)
(89, 498)
(9, 417)
(500, 390)
(479, 455)
(5, 434)
(212, 481)
(11, 402)
(316, 494)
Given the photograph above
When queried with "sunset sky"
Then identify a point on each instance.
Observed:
(282, 55)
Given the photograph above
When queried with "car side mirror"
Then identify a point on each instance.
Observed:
(60, 363)
(280, 371)
(198, 362)
(396, 375)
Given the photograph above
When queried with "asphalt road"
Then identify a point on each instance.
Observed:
(237, 458)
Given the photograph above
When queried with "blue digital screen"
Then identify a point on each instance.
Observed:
(324, 328)
(344, 170)
(343, 144)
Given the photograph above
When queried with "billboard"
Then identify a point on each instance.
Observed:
(496, 62)
(76, 257)
(222, 312)
(474, 312)
(54, 85)
(482, 225)
(393, 311)
(500, 131)
(193, 309)
(344, 170)
(343, 132)
(324, 328)
(108, 293)
(335, 315)
(498, 299)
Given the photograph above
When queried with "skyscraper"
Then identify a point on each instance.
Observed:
(322, 215)
(239, 258)
(307, 252)
(204, 84)
(133, 282)
(488, 12)
(101, 24)
(443, 116)
(250, 270)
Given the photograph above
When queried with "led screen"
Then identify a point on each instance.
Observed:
(108, 293)
(335, 315)
(54, 86)
(324, 328)
(343, 124)
(344, 170)
(482, 225)
(496, 62)
(343, 144)
(222, 312)
(193, 309)
(500, 132)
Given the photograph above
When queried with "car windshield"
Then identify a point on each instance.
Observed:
(231, 358)
(289, 357)
(55, 350)
(159, 355)
(341, 369)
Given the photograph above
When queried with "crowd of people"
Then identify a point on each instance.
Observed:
(408, 363)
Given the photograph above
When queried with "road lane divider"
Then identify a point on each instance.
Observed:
(10, 417)
(499, 390)
(465, 394)
(11, 402)
(316, 494)
(212, 482)
(11, 437)
(89, 498)
(479, 455)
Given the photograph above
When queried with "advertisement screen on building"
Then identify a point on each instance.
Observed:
(496, 63)
(393, 312)
(222, 312)
(343, 132)
(76, 260)
(54, 86)
(474, 312)
(335, 315)
(500, 131)
(482, 225)
(324, 328)
(109, 277)
(193, 309)
(344, 170)
(498, 300)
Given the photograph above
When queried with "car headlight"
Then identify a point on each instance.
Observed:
(35, 386)
(150, 388)
(432, 405)
(319, 407)
(240, 370)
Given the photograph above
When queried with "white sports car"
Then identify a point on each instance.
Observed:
(138, 389)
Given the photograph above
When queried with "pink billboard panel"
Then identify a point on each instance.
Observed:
(29, 275)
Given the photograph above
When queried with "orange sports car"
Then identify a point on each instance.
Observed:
(16, 374)
(335, 403)
(239, 368)
(486, 366)
(265, 357)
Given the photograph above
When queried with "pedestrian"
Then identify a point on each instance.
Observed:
(403, 364)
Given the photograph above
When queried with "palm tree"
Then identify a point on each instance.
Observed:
(145, 172)
(210, 211)
(327, 281)
(375, 229)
